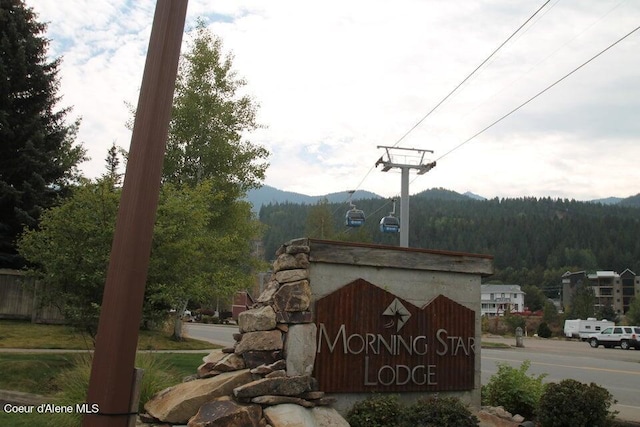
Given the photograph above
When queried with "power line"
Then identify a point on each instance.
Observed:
(458, 86)
(540, 93)
(471, 74)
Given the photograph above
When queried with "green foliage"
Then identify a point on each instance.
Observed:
(609, 313)
(38, 155)
(514, 322)
(526, 236)
(75, 382)
(550, 313)
(633, 314)
(534, 297)
(514, 390)
(543, 330)
(582, 303)
(209, 122)
(375, 411)
(387, 411)
(71, 252)
(571, 403)
(200, 248)
(439, 411)
(320, 221)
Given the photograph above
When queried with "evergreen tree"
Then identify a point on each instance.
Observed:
(38, 157)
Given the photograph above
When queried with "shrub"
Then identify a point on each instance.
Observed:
(375, 411)
(572, 403)
(544, 331)
(514, 390)
(74, 384)
(514, 322)
(439, 411)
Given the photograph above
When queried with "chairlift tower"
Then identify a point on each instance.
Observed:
(405, 159)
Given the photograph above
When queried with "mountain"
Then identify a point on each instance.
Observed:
(608, 200)
(474, 196)
(267, 194)
(442, 194)
(633, 201)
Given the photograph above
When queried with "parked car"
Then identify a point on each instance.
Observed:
(624, 337)
(634, 341)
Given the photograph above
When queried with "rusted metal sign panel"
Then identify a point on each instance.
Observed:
(371, 340)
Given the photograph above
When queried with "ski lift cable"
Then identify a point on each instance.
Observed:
(486, 128)
(471, 74)
(457, 87)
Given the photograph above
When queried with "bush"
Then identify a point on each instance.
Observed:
(75, 383)
(572, 403)
(514, 322)
(514, 390)
(375, 411)
(439, 411)
(544, 331)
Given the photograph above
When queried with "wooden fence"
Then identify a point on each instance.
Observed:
(20, 299)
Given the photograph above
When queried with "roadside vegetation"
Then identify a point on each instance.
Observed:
(63, 377)
(568, 403)
(26, 335)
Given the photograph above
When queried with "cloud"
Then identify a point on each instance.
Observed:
(336, 79)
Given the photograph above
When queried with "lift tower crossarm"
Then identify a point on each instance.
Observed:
(418, 162)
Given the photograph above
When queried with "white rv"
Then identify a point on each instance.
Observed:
(578, 328)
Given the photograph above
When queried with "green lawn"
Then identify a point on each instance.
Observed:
(22, 334)
(48, 373)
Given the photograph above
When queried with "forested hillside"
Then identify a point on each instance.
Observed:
(533, 241)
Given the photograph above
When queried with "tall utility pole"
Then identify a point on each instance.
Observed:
(114, 380)
(405, 159)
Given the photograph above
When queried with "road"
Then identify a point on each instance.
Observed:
(615, 369)
(217, 334)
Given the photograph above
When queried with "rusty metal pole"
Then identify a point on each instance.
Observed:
(112, 372)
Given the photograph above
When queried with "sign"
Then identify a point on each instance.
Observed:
(371, 340)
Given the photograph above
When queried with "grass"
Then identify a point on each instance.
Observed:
(49, 374)
(22, 334)
(495, 345)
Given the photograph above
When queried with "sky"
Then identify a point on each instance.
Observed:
(335, 80)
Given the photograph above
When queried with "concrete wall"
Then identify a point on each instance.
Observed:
(415, 275)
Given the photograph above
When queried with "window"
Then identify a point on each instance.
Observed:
(587, 326)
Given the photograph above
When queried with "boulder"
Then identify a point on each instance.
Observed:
(289, 415)
(295, 317)
(224, 412)
(257, 319)
(294, 296)
(268, 292)
(291, 262)
(270, 400)
(254, 359)
(179, 403)
(279, 386)
(231, 362)
(287, 276)
(300, 349)
(328, 417)
(260, 341)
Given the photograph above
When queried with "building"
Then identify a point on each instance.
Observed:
(610, 288)
(498, 299)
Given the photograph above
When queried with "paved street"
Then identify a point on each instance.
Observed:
(615, 369)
